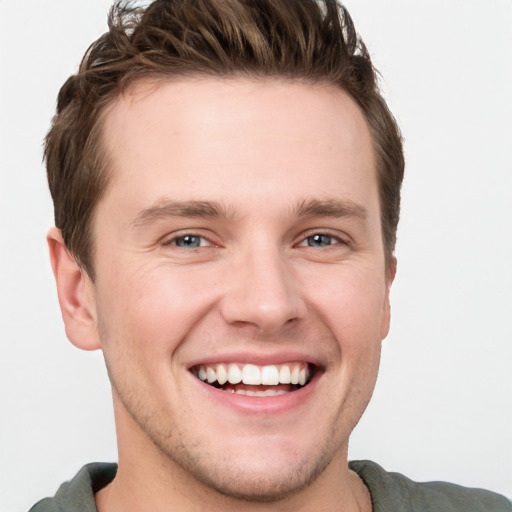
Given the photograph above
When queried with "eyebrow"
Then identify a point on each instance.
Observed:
(331, 208)
(165, 209)
(211, 209)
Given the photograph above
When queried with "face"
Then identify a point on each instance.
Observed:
(241, 293)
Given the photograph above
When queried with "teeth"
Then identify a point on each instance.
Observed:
(250, 374)
(234, 374)
(222, 374)
(294, 378)
(211, 375)
(302, 376)
(284, 375)
(270, 375)
(268, 392)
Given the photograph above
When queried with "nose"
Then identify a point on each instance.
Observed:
(262, 292)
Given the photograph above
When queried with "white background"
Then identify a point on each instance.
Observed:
(443, 404)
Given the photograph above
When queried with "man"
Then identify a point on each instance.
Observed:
(226, 180)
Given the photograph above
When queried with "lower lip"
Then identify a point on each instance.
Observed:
(260, 404)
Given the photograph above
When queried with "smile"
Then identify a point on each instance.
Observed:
(253, 380)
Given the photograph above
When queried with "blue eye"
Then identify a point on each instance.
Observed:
(189, 241)
(320, 240)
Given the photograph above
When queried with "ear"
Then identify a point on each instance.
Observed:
(386, 313)
(76, 295)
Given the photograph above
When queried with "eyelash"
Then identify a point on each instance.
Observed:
(176, 238)
(335, 239)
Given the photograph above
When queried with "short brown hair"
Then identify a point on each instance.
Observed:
(307, 40)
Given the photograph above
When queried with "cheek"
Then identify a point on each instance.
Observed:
(350, 300)
(152, 308)
(144, 315)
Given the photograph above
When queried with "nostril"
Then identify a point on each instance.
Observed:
(264, 297)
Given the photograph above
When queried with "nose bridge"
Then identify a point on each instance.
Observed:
(262, 291)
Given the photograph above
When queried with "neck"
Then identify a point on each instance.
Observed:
(145, 487)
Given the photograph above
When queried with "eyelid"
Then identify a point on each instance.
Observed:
(343, 238)
(169, 238)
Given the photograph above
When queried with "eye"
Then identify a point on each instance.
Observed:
(320, 240)
(189, 241)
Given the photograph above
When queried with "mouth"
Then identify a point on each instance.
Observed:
(253, 380)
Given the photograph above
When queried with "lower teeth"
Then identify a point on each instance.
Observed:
(268, 392)
(256, 392)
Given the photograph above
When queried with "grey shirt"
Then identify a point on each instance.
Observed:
(391, 492)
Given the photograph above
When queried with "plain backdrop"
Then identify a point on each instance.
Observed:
(442, 409)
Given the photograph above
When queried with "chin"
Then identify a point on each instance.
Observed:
(258, 481)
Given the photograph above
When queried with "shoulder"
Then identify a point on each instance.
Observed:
(394, 492)
(77, 495)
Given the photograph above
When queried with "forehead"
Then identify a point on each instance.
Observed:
(196, 136)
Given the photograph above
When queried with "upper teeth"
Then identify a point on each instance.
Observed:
(250, 374)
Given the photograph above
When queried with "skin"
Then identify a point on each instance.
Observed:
(254, 286)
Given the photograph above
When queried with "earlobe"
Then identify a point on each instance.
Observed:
(76, 295)
(386, 314)
(391, 272)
